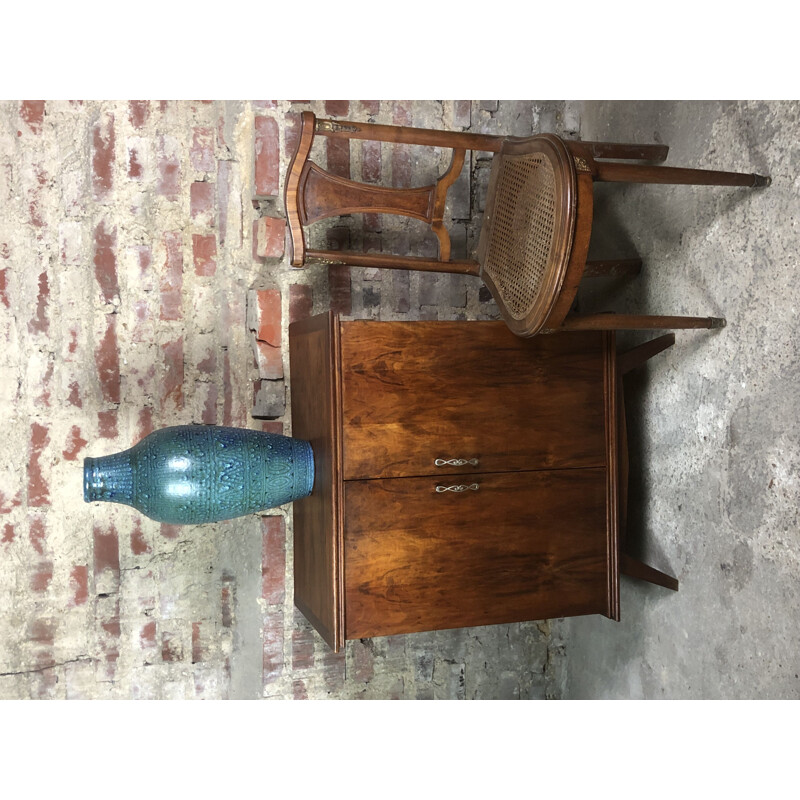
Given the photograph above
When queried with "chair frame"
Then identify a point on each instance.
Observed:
(313, 194)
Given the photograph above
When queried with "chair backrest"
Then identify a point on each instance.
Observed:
(313, 194)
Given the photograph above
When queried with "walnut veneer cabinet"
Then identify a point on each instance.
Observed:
(464, 476)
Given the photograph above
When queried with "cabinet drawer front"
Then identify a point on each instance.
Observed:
(520, 546)
(415, 393)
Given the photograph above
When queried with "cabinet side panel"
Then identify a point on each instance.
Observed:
(317, 532)
(420, 391)
(527, 545)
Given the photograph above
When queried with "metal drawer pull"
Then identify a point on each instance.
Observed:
(455, 462)
(460, 487)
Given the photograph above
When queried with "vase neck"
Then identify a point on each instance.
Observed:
(108, 478)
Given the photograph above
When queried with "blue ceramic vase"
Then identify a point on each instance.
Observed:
(190, 474)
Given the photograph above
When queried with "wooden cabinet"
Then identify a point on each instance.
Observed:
(464, 476)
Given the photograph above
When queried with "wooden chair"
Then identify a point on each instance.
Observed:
(532, 251)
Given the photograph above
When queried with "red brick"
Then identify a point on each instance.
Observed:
(169, 168)
(72, 345)
(107, 633)
(208, 365)
(142, 328)
(147, 634)
(9, 533)
(299, 690)
(45, 384)
(40, 323)
(105, 261)
(144, 255)
(371, 107)
(273, 659)
(74, 444)
(337, 108)
(270, 237)
(37, 534)
(38, 487)
(106, 359)
(373, 243)
(172, 382)
(273, 559)
(201, 203)
(201, 153)
(171, 648)
(135, 168)
(170, 531)
(333, 670)
(42, 576)
(172, 277)
(462, 113)
(204, 249)
(34, 198)
(32, 114)
(103, 140)
(268, 323)
(401, 154)
(74, 397)
(272, 426)
(107, 424)
(267, 156)
(106, 550)
(363, 662)
(269, 361)
(4, 287)
(338, 155)
(209, 414)
(79, 581)
(197, 644)
(301, 302)
(302, 647)
(42, 631)
(138, 112)
(227, 601)
(370, 161)
(145, 426)
(340, 290)
(139, 545)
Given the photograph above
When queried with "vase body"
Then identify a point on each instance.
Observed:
(189, 474)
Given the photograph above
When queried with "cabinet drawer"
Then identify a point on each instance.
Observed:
(520, 546)
(416, 392)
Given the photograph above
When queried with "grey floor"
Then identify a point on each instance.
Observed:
(714, 424)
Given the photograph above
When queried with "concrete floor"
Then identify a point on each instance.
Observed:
(713, 421)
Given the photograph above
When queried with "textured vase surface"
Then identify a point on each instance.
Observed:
(190, 474)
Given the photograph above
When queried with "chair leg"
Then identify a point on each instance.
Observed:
(634, 568)
(618, 322)
(639, 173)
(637, 356)
(635, 152)
(617, 268)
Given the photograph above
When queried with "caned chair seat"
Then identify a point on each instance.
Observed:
(530, 216)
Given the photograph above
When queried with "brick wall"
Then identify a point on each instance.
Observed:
(143, 283)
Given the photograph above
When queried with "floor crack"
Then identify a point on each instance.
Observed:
(46, 666)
